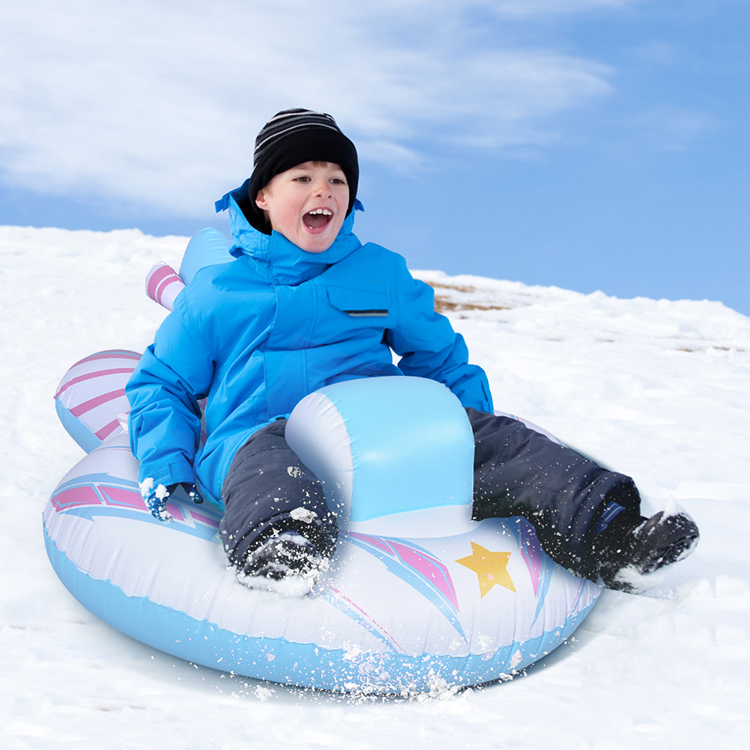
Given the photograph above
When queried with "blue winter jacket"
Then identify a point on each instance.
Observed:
(255, 335)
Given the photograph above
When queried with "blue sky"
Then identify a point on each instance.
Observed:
(588, 144)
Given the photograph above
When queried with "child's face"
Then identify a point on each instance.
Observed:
(307, 204)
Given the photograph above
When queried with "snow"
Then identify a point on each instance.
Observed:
(654, 388)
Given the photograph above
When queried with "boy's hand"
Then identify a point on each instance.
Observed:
(156, 498)
(191, 490)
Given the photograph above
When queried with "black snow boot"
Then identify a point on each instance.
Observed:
(278, 557)
(636, 547)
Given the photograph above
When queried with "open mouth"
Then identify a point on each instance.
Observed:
(317, 219)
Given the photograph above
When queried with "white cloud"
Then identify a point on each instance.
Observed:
(157, 102)
(670, 128)
(659, 52)
(538, 8)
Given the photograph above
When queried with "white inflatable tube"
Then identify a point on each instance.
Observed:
(417, 594)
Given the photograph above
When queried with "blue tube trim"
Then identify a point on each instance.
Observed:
(76, 429)
(280, 660)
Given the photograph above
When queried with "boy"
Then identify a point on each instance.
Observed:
(305, 304)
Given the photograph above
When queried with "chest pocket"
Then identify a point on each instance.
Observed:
(359, 303)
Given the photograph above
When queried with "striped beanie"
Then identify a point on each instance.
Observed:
(292, 137)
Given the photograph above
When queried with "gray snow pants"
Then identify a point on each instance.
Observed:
(517, 472)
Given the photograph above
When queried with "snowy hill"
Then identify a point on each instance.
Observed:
(656, 389)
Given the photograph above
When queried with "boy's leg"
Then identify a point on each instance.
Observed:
(586, 518)
(519, 472)
(268, 491)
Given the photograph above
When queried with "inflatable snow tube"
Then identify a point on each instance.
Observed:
(417, 594)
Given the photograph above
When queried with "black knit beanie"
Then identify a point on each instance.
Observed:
(292, 137)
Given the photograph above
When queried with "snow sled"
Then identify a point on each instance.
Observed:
(417, 596)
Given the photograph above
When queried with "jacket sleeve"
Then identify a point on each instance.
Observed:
(428, 345)
(165, 418)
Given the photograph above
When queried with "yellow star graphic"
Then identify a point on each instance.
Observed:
(491, 568)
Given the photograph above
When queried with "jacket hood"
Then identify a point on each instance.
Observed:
(286, 261)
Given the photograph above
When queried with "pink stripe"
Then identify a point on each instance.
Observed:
(374, 541)
(109, 354)
(156, 278)
(434, 571)
(531, 553)
(92, 375)
(77, 411)
(367, 617)
(120, 497)
(108, 429)
(75, 498)
(212, 522)
(175, 511)
(166, 284)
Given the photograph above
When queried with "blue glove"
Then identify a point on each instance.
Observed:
(191, 490)
(156, 498)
